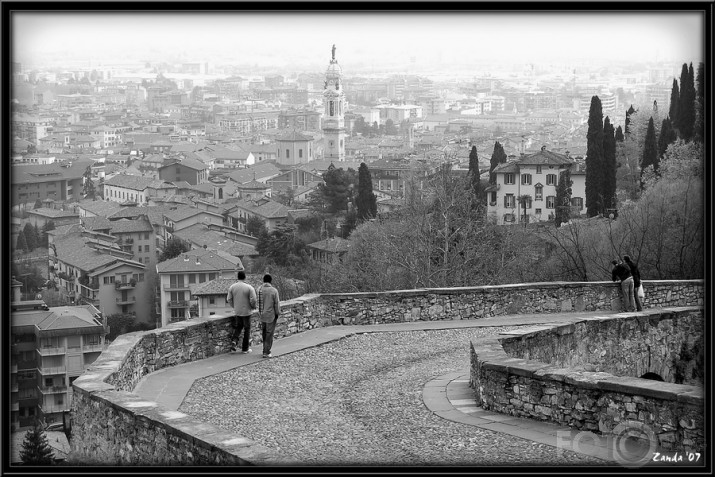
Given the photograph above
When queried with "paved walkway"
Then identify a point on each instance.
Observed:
(448, 396)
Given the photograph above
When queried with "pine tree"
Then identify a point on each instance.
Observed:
(365, 201)
(609, 164)
(563, 197)
(650, 150)
(498, 157)
(474, 172)
(30, 237)
(21, 244)
(700, 104)
(44, 238)
(594, 158)
(667, 136)
(35, 449)
(674, 101)
(619, 135)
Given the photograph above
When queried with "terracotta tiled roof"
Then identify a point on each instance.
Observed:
(293, 136)
(100, 207)
(218, 286)
(208, 261)
(132, 182)
(130, 225)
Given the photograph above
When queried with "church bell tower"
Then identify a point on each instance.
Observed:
(334, 117)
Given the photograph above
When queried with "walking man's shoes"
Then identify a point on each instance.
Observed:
(269, 355)
(247, 351)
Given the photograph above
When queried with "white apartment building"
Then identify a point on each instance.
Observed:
(536, 176)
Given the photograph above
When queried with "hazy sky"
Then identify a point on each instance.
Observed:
(536, 37)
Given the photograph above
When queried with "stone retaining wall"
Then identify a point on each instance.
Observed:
(590, 400)
(664, 344)
(111, 425)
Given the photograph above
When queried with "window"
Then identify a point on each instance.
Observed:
(146, 236)
(493, 199)
(577, 202)
(73, 342)
(202, 277)
(177, 312)
(141, 277)
(287, 153)
(539, 192)
(49, 382)
(178, 170)
(212, 300)
(550, 202)
(192, 278)
(550, 179)
(526, 179)
(509, 218)
(509, 178)
(538, 169)
(300, 152)
(91, 340)
(538, 211)
(509, 201)
(212, 276)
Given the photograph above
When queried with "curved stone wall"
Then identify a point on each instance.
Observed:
(110, 425)
(570, 375)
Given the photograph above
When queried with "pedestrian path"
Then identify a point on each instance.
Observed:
(169, 386)
(449, 396)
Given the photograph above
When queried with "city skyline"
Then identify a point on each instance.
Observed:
(304, 39)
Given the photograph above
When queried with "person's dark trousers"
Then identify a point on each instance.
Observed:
(267, 330)
(242, 323)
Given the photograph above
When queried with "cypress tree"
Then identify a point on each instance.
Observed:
(474, 172)
(609, 164)
(686, 105)
(563, 197)
(30, 237)
(619, 135)
(699, 103)
(498, 157)
(594, 158)
(35, 449)
(628, 119)
(650, 149)
(674, 101)
(667, 136)
(366, 201)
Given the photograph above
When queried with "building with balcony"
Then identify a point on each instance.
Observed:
(533, 178)
(91, 268)
(179, 277)
(50, 348)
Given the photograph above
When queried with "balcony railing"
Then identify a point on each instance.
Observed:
(49, 351)
(16, 406)
(176, 286)
(53, 389)
(129, 299)
(178, 304)
(89, 288)
(49, 408)
(47, 370)
(92, 348)
(125, 285)
(14, 388)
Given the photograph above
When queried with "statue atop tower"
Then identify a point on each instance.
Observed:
(333, 60)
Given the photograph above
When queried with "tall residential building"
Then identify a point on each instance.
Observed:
(334, 118)
(51, 347)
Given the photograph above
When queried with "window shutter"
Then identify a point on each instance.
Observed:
(506, 201)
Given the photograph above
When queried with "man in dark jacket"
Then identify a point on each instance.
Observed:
(636, 274)
(622, 272)
(269, 307)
